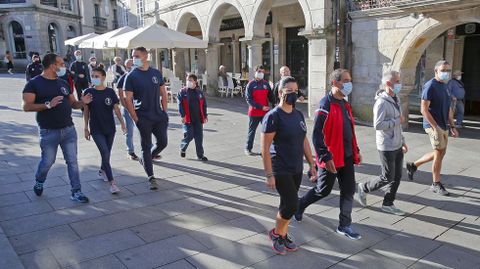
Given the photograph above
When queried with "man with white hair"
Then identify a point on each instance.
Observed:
(118, 69)
(387, 120)
(223, 75)
(437, 121)
(284, 72)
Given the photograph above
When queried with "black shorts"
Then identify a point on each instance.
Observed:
(287, 187)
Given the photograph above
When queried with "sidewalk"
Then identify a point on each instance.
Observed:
(217, 214)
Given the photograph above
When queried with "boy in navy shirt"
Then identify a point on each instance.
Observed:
(99, 116)
(193, 110)
(437, 114)
(53, 101)
(144, 86)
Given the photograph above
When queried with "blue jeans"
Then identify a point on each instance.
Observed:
(104, 144)
(192, 131)
(130, 127)
(252, 129)
(459, 111)
(50, 139)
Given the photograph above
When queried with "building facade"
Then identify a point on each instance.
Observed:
(43, 25)
(243, 34)
(411, 37)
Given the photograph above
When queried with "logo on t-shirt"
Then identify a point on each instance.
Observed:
(64, 91)
(108, 101)
(137, 104)
(304, 127)
(155, 80)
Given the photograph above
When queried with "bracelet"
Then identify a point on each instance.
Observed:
(269, 175)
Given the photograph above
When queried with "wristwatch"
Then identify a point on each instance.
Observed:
(47, 104)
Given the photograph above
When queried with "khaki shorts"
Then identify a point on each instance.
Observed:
(438, 139)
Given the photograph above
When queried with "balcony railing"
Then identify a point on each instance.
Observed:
(100, 23)
(62, 4)
(356, 5)
(12, 1)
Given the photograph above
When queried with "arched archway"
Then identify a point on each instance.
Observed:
(190, 60)
(263, 7)
(53, 34)
(218, 11)
(162, 23)
(17, 40)
(414, 44)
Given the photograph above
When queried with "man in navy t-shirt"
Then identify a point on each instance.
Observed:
(53, 101)
(437, 114)
(144, 87)
(81, 74)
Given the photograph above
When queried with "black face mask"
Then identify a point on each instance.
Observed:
(290, 98)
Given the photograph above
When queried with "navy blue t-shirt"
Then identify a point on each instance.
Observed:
(145, 86)
(287, 147)
(121, 81)
(101, 110)
(45, 90)
(437, 93)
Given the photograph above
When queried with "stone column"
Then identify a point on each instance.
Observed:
(405, 102)
(201, 62)
(179, 63)
(212, 58)
(236, 56)
(254, 56)
(319, 66)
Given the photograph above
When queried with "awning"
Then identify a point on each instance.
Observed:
(77, 40)
(156, 37)
(100, 42)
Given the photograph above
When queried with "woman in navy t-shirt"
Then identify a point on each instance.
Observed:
(284, 144)
(99, 116)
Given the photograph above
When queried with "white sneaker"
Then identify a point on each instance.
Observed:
(102, 175)
(114, 188)
(392, 210)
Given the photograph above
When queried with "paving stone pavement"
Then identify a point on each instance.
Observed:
(217, 214)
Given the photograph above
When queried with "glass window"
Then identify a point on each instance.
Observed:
(17, 40)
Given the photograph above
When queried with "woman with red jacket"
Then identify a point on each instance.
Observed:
(193, 110)
(337, 151)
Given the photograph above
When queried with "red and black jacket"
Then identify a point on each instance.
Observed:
(328, 133)
(183, 101)
(258, 95)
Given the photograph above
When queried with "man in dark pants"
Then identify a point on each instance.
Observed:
(81, 74)
(144, 86)
(337, 151)
(34, 69)
(387, 120)
(259, 95)
(193, 110)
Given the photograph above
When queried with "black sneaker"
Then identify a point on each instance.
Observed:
(411, 169)
(79, 197)
(290, 246)
(437, 187)
(183, 154)
(38, 188)
(133, 156)
(203, 159)
(152, 181)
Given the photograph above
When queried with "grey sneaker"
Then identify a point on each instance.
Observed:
(153, 183)
(438, 187)
(278, 242)
(392, 209)
(360, 195)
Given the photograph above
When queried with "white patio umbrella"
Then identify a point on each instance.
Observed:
(77, 40)
(100, 42)
(155, 37)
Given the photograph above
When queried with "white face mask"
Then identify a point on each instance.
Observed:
(459, 78)
(190, 85)
(259, 75)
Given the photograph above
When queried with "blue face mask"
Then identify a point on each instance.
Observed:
(96, 81)
(137, 62)
(347, 88)
(444, 76)
(397, 88)
(62, 71)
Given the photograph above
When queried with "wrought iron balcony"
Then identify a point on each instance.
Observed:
(405, 5)
(52, 3)
(100, 23)
(62, 4)
(12, 1)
